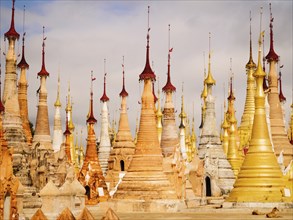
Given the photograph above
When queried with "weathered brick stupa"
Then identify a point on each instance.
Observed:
(91, 175)
(42, 131)
(279, 135)
(260, 178)
(12, 123)
(248, 114)
(169, 141)
(57, 131)
(105, 143)
(218, 174)
(123, 147)
(22, 96)
(145, 179)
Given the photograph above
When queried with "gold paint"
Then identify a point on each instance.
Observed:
(260, 178)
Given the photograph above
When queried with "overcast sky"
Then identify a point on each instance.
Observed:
(81, 34)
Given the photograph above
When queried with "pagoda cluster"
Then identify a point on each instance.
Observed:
(165, 161)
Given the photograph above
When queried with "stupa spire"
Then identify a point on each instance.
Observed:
(104, 97)
(123, 92)
(210, 81)
(272, 56)
(42, 131)
(91, 119)
(169, 86)
(43, 71)
(11, 33)
(147, 73)
(250, 63)
(67, 134)
(57, 102)
(57, 132)
(248, 114)
(260, 158)
(22, 91)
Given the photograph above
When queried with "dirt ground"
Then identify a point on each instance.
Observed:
(287, 214)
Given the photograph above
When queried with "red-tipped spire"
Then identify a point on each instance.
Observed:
(154, 94)
(123, 92)
(281, 96)
(169, 86)
(67, 132)
(43, 71)
(91, 119)
(272, 56)
(104, 97)
(12, 32)
(231, 96)
(147, 73)
(23, 64)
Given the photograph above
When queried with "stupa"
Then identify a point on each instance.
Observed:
(105, 144)
(217, 169)
(91, 175)
(57, 131)
(169, 141)
(260, 178)
(234, 155)
(42, 131)
(12, 124)
(225, 127)
(145, 179)
(22, 96)
(248, 114)
(123, 147)
(279, 135)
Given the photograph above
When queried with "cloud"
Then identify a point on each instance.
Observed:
(81, 34)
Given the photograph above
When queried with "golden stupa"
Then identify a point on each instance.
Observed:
(225, 127)
(260, 178)
(234, 156)
(245, 127)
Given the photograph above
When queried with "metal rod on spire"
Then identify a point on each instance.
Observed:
(169, 38)
(148, 18)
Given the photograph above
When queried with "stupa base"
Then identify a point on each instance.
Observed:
(265, 205)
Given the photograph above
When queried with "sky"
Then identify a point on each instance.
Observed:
(81, 34)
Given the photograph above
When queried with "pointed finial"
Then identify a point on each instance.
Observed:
(12, 32)
(231, 96)
(210, 80)
(104, 97)
(43, 71)
(91, 119)
(250, 63)
(147, 73)
(23, 64)
(259, 70)
(169, 86)
(272, 56)
(123, 92)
